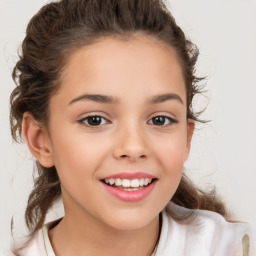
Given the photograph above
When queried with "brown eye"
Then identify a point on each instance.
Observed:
(162, 120)
(93, 120)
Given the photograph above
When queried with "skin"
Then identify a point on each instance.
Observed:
(127, 140)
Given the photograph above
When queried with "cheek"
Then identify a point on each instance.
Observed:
(172, 160)
(76, 162)
(78, 157)
(75, 154)
(170, 155)
(171, 151)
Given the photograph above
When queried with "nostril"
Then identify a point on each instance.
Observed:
(142, 156)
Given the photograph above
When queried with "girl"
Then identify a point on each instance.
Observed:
(104, 101)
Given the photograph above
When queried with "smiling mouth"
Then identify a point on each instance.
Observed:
(129, 184)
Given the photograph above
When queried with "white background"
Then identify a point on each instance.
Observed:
(223, 152)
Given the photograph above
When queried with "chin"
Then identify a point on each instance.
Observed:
(131, 220)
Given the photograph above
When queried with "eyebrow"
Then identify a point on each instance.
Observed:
(112, 100)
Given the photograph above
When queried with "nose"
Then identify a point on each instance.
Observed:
(131, 143)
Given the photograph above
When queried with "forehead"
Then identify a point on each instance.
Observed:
(112, 63)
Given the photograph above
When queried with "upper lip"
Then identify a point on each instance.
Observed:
(130, 175)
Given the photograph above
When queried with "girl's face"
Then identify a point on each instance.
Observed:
(120, 117)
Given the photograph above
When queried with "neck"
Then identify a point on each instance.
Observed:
(70, 237)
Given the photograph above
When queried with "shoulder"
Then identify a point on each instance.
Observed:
(35, 246)
(205, 233)
(39, 244)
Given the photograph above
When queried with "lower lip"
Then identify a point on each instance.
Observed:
(130, 196)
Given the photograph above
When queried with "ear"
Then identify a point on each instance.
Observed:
(37, 139)
(190, 131)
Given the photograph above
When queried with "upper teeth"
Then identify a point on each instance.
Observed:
(135, 183)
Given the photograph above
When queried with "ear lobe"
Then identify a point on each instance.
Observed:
(37, 140)
(190, 131)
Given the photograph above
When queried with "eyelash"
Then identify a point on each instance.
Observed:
(83, 120)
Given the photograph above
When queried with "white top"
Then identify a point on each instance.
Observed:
(204, 233)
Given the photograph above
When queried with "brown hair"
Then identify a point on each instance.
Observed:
(58, 29)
